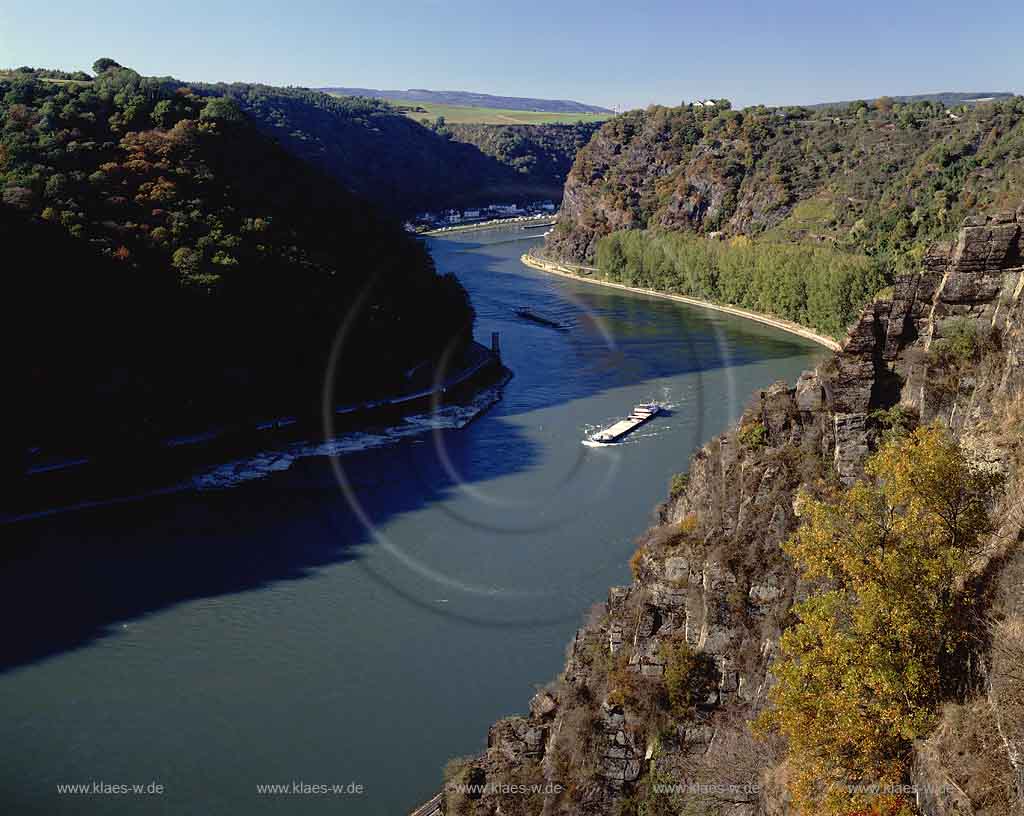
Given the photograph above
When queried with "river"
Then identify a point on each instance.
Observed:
(286, 630)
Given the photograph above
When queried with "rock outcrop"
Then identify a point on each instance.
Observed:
(711, 578)
(817, 176)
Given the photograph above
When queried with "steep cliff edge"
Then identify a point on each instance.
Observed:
(870, 180)
(712, 587)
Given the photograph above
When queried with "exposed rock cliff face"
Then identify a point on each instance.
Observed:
(700, 189)
(711, 577)
(848, 178)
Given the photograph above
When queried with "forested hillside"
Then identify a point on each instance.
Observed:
(541, 152)
(950, 99)
(883, 180)
(402, 165)
(170, 266)
(819, 210)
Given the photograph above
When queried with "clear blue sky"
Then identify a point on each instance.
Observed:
(775, 53)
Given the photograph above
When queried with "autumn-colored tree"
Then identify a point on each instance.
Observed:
(884, 103)
(860, 674)
(161, 191)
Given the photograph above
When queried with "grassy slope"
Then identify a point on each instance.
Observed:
(11, 74)
(455, 114)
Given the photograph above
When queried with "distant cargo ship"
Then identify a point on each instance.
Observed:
(641, 414)
(526, 314)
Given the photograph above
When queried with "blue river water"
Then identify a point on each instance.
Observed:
(277, 628)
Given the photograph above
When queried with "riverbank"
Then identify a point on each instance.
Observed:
(486, 548)
(567, 271)
(524, 220)
(221, 458)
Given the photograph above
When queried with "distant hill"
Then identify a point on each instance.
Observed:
(401, 165)
(948, 98)
(473, 100)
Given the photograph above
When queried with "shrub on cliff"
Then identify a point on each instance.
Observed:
(753, 435)
(677, 485)
(960, 343)
(955, 354)
(893, 423)
(863, 670)
(689, 676)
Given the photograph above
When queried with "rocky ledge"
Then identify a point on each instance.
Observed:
(711, 578)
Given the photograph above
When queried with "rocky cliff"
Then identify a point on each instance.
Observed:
(711, 583)
(860, 178)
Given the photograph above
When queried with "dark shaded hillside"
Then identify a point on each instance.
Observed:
(541, 152)
(882, 180)
(399, 164)
(173, 267)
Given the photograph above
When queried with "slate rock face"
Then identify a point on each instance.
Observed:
(680, 170)
(515, 738)
(711, 573)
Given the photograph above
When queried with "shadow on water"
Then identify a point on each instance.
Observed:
(72, 579)
(615, 339)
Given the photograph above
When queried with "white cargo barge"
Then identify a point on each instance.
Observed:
(641, 414)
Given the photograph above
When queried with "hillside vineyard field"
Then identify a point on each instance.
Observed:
(459, 115)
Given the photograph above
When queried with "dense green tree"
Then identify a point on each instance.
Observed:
(104, 64)
(815, 286)
(221, 108)
(164, 114)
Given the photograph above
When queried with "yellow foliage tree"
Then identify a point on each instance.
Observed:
(859, 675)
